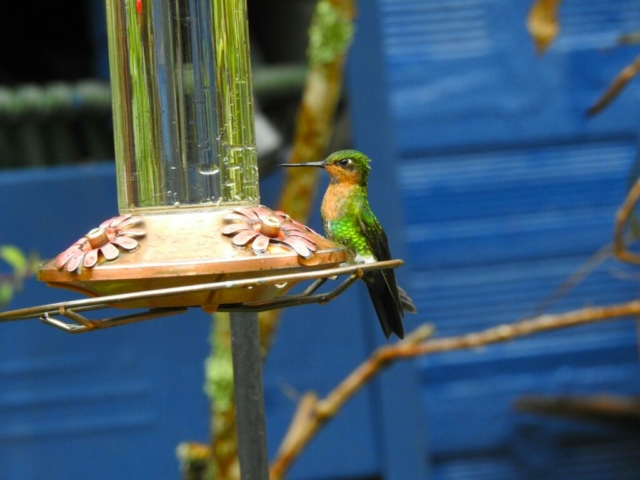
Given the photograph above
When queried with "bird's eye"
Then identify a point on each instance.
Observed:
(344, 162)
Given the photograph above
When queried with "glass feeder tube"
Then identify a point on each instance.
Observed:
(185, 138)
(182, 99)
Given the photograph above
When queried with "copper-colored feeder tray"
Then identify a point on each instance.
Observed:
(186, 248)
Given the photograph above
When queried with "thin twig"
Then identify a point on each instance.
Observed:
(622, 217)
(607, 408)
(312, 413)
(575, 279)
(615, 87)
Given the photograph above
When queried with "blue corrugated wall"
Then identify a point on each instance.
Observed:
(507, 188)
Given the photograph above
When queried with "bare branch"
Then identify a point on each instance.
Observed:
(314, 126)
(312, 413)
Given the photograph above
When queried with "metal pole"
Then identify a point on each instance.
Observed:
(249, 396)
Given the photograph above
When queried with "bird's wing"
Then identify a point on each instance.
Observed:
(381, 284)
(379, 246)
(375, 235)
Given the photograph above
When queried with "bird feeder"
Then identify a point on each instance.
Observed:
(187, 173)
(190, 230)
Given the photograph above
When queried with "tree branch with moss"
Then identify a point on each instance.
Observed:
(330, 35)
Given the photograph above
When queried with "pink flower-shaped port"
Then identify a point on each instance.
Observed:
(115, 233)
(260, 226)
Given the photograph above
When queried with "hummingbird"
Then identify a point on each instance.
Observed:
(348, 220)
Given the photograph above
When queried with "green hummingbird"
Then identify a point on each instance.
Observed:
(348, 220)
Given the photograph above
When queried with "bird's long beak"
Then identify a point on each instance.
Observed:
(308, 164)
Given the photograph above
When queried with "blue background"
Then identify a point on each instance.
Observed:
(492, 185)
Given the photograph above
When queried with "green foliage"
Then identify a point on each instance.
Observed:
(219, 366)
(330, 34)
(22, 267)
(6, 293)
(15, 258)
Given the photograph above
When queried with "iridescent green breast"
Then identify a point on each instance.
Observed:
(346, 232)
(341, 210)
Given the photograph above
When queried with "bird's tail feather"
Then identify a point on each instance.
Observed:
(386, 301)
(406, 302)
